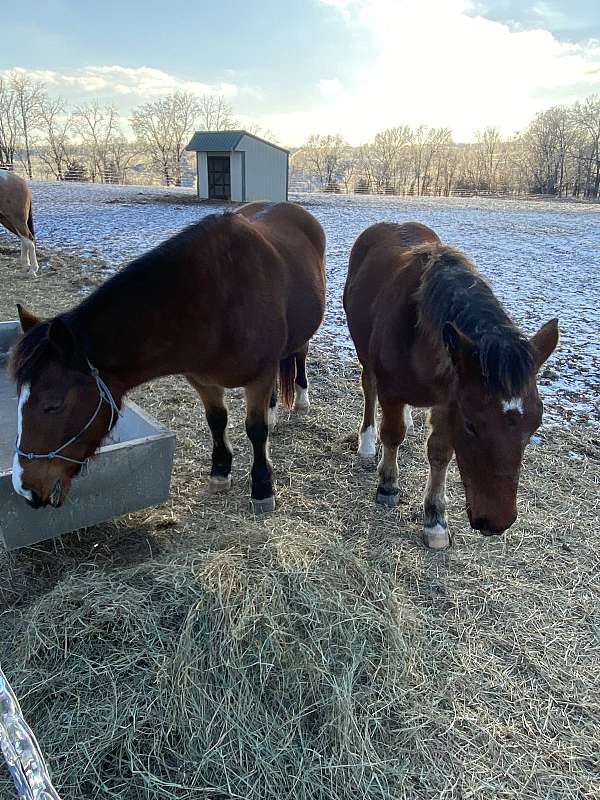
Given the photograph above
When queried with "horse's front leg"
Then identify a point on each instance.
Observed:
(216, 417)
(393, 430)
(439, 453)
(367, 436)
(258, 395)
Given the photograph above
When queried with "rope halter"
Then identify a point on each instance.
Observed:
(104, 396)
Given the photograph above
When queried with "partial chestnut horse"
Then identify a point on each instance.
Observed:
(231, 301)
(17, 217)
(429, 332)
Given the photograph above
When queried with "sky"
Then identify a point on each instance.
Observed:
(297, 67)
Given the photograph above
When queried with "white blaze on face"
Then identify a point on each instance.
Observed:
(17, 469)
(514, 404)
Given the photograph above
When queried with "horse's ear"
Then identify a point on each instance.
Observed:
(60, 336)
(544, 342)
(27, 319)
(462, 351)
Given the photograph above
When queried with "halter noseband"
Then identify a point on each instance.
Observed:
(104, 395)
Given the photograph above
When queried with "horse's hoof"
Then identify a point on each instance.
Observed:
(386, 499)
(436, 537)
(218, 484)
(265, 506)
(301, 401)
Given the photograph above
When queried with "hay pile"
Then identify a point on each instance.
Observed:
(321, 652)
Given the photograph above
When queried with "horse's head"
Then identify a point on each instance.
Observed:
(494, 410)
(63, 410)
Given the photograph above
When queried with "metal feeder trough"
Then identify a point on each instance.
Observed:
(132, 470)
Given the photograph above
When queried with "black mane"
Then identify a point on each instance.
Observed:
(30, 351)
(35, 348)
(453, 291)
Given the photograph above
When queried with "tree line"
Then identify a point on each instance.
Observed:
(558, 154)
(42, 136)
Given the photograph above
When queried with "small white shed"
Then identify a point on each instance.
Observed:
(239, 167)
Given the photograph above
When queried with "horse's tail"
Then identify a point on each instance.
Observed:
(30, 222)
(287, 378)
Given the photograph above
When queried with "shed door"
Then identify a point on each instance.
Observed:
(219, 178)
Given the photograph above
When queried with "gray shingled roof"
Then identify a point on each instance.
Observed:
(222, 141)
(215, 141)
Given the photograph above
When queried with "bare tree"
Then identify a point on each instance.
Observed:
(215, 113)
(28, 95)
(99, 127)
(163, 129)
(387, 165)
(56, 125)
(9, 124)
(324, 155)
(550, 138)
(489, 144)
(586, 119)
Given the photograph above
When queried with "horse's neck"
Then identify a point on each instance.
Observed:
(126, 335)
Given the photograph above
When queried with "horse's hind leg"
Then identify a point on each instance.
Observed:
(216, 417)
(367, 437)
(302, 401)
(33, 263)
(439, 453)
(24, 251)
(272, 413)
(393, 430)
(258, 396)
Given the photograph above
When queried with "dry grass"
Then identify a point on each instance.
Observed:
(321, 652)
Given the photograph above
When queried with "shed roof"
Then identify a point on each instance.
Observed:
(222, 141)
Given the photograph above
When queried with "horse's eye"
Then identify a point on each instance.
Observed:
(470, 428)
(53, 408)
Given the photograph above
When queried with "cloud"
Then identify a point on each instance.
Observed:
(331, 87)
(137, 83)
(440, 63)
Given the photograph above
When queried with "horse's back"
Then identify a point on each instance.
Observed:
(382, 277)
(281, 219)
(391, 239)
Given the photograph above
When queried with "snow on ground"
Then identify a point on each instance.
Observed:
(540, 258)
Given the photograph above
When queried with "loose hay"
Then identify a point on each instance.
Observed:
(321, 652)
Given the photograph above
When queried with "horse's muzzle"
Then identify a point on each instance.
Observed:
(36, 500)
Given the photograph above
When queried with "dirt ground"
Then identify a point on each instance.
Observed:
(500, 679)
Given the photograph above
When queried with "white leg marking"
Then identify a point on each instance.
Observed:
(436, 537)
(24, 251)
(514, 404)
(33, 263)
(408, 419)
(17, 470)
(367, 441)
(272, 417)
(302, 402)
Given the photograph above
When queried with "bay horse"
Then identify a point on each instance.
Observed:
(16, 215)
(229, 302)
(429, 332)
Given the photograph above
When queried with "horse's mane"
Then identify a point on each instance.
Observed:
(34, 348)
(453, 291)
(31, 350)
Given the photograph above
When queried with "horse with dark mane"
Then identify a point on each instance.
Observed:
(231, 301)
(429, 332)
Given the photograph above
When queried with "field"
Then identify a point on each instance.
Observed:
(321, 652)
